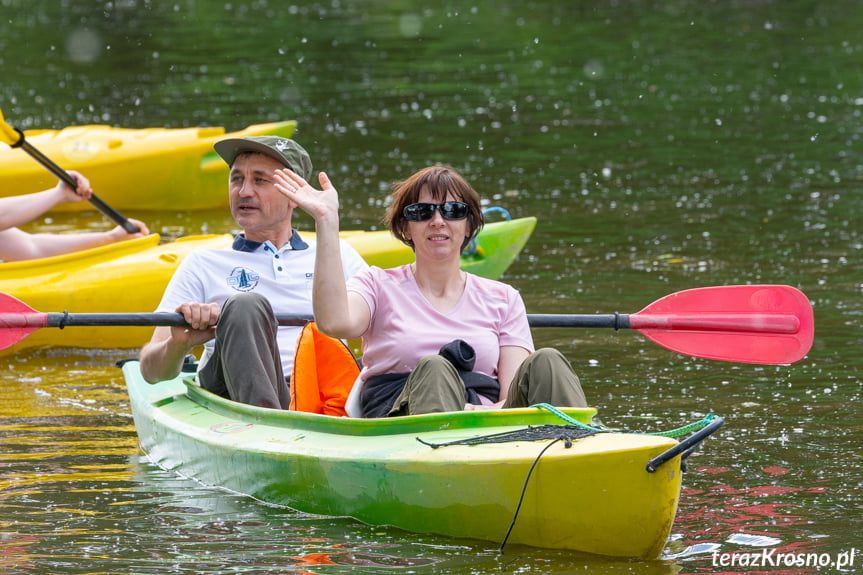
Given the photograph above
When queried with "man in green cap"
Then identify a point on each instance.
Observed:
(229, 296)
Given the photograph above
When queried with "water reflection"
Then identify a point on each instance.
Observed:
(737, 519)
(142, 528)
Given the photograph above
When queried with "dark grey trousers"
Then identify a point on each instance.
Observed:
(246, 365)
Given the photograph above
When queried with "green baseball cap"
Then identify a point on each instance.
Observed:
(283, 150)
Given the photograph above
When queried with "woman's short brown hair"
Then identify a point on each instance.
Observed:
(440, 181)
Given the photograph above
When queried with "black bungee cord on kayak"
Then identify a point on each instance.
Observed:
(568, 444)
(530, 433)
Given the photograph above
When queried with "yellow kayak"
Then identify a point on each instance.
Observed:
(132, 170)
(130, 276)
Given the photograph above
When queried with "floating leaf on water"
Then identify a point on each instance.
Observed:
(697, 549)
(754, 540)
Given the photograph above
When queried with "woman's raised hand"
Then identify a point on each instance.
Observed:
(320, 204)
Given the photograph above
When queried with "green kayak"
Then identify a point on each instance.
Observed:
(557, 490)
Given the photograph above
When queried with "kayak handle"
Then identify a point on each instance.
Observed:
(687, 446)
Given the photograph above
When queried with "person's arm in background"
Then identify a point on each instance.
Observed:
(19, 210)
(16, 244)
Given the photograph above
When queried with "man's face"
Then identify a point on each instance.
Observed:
(257, 206)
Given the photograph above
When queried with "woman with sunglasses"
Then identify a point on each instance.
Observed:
(434, 338)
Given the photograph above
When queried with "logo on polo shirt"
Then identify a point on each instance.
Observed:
(242, 279)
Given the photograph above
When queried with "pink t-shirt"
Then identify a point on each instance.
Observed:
(405, 327)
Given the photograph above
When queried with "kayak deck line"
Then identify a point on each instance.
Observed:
(556, 431)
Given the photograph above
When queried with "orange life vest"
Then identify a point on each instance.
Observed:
(324, 372)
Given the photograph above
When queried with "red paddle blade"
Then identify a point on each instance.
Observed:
(770, 324)
(17, 320)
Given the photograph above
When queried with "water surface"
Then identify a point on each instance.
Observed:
(663, 146)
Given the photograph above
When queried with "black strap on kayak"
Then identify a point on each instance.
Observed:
(531, 433)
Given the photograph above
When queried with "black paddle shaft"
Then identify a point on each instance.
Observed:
(615, 320)
(61, 320)
(107, 210)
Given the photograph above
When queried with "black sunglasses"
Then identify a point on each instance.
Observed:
(448, 210)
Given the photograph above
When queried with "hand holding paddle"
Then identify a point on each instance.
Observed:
(766, 324)
(15, 139)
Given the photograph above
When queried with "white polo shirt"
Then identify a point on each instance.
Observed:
(284, 277)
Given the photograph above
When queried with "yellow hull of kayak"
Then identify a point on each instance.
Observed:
(132, 170)
(130, 276)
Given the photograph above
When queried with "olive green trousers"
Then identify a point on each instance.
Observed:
(546, 376)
